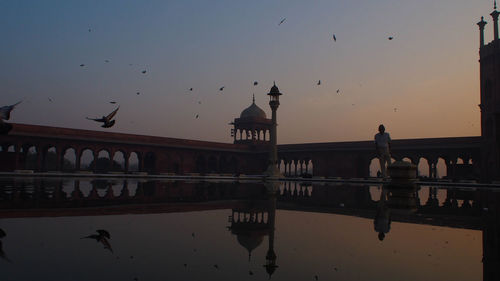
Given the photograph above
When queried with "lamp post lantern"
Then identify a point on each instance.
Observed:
(274, 102)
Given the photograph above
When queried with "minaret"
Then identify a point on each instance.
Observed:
(494, 15)
(274, 103)
(481, 24)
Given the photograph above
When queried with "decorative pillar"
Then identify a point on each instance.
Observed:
(494, 15)
(481, 25)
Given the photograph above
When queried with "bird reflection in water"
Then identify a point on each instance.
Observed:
(102, 237)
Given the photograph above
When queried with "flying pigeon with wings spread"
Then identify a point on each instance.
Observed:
(107, 120)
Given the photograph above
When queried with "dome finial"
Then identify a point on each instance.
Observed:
(495, 4)
(253, 98)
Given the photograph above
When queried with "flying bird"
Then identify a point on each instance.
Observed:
(102, 237)
(338, 91)
(390, 38)
(196, 116)
(282, 21)
(143, 72)
(138, 93)
(190, 89)
(255, 83)
(50, 99)
(319, 82)
(5, 111)
(107, 120)
(222, 88)
(112, 102)
(334, 38)
(82, 65)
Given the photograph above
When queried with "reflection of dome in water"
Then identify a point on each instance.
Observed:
(253, 111)
(250, 241)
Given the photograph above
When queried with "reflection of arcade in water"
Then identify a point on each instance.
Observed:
(253, 206)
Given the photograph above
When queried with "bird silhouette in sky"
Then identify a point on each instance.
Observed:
(107, 120)
(255, 83)
(82, 65)
(338, 91)
(112, 102)
(143, 72)
(102, 237)
(390, 38)
(334, 38)
(190, 89)
(138, 93)
(222, 88)
(6, 110)
(50, 99)
(197, 116)
(282, 21)
(319, 82)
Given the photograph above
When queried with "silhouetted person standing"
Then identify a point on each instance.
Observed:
(383, 146)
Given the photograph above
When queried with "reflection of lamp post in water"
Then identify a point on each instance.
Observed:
(274, 102)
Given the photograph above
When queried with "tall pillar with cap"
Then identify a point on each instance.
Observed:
(494, 15)
(274, 102)
(481, 25)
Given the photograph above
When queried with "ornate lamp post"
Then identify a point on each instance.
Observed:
(274, 102)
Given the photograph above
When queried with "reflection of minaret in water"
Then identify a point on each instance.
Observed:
(272, 188)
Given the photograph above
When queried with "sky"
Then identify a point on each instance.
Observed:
(423, 83)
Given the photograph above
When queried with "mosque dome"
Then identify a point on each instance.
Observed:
(253, 111)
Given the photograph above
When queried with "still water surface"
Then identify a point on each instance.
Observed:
(181, 230)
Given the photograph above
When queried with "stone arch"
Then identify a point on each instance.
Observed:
(442, 171)
(68, 159)
(86, 159)
(50, 159)
(133, 162)
(31, 157)
(103, 162)
(374, 167)
(423, 167)
(118, 161)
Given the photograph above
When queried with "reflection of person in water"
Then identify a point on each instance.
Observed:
(382, 222)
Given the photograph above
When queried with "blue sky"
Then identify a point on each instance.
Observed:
(428, 73)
